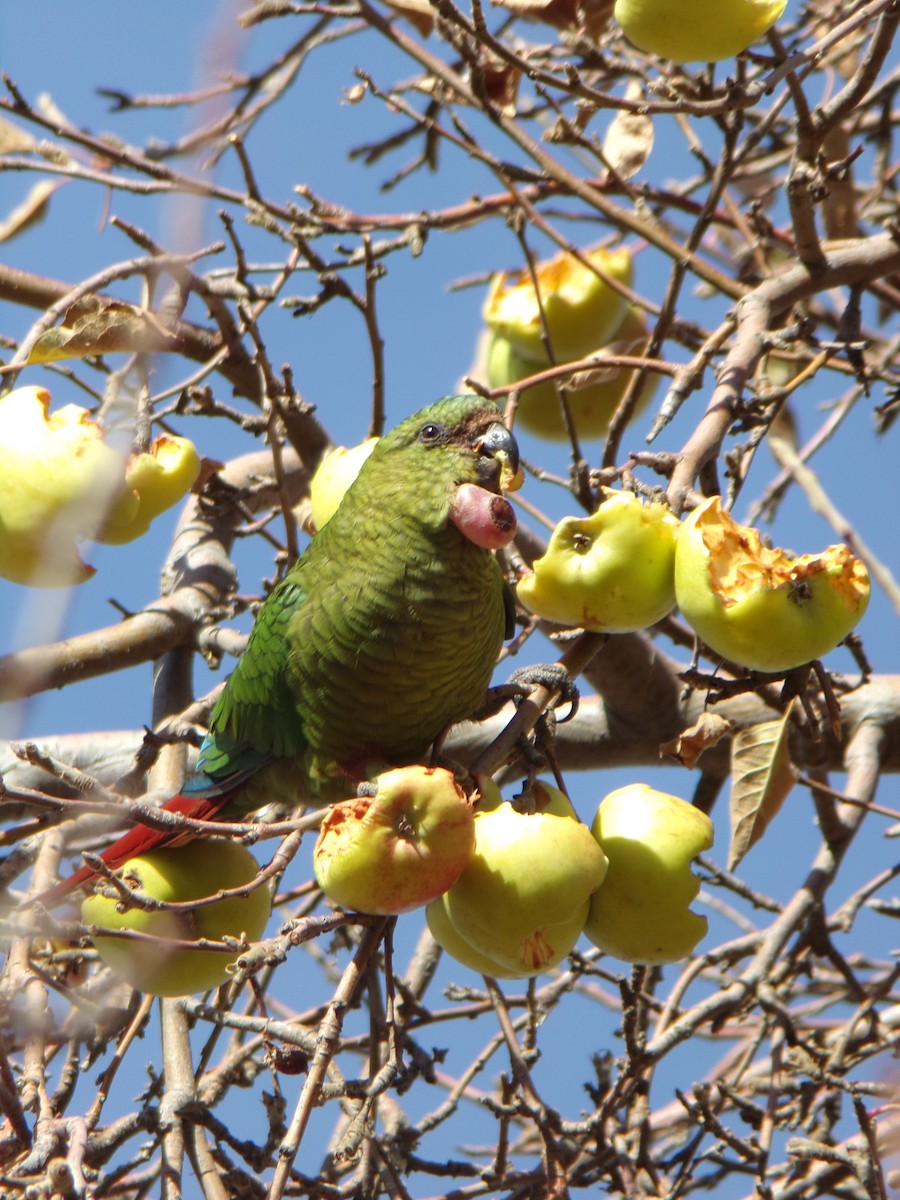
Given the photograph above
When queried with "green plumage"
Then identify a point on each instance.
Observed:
(384, 632)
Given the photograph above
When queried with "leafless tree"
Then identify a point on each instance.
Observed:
(343, 1060)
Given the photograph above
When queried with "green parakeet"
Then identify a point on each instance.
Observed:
(384, 632)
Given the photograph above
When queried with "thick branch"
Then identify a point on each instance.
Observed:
(597, 737)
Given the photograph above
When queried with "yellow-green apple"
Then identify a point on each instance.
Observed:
(398, 848)
(522, 901)
(581, 309)
(591, 404)
(758, 606)
(641, 911)
(610, 572)
(444, 933)
(335, 473)
(696, 30)
(487, 797)
(199, 869)
(58, 478)
(158, 478)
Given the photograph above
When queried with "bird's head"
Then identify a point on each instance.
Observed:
(459, 450)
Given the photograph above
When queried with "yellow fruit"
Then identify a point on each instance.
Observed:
(175, 875)
(696, 30)
(582, 311)
(335, 473)
(446, 936)
(612, 572)
(399, 849)
(641, 913)
(60, 484)
(57, 480)
(758, 606)
(592, 406)
(157, 479)
(522, 901)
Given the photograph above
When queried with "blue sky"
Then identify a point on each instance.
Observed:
(429, 331)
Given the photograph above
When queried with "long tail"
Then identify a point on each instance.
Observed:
(140, 839)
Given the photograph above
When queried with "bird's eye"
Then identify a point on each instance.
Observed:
(431, 432)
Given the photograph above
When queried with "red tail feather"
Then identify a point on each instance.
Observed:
(140, 839)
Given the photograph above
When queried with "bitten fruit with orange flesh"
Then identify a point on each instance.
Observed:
(522, 901)
(758, 606)
(696, 30)
(399, 848)
(582, 311)
(591, 404)
(177, 875)
(611, 572)
(641, 912)
(158, 478)
(58, 479)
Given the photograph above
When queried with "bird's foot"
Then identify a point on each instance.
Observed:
(553, 677)
(523, 682)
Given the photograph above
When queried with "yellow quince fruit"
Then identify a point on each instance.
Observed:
(58, 479)
(167, 966)
(759, 606)
(591, 405)
(640, 913)
(521, 903)
(611, 572)
(156, 479)
(696, 30)
(582, 311)
(332, 478)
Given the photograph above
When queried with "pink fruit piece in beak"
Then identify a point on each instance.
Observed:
(484, 517)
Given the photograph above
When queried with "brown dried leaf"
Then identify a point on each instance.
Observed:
(501, 84)
(30, 212)
(840, 196)
(762, 776)
(14, 140)
(629, 139)
(689, 745)
(419, 13)
(95, 326)
(590, 16)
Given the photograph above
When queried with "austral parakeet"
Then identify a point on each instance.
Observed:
(384, 632)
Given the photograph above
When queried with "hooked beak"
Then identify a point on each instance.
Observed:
(500, 449)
